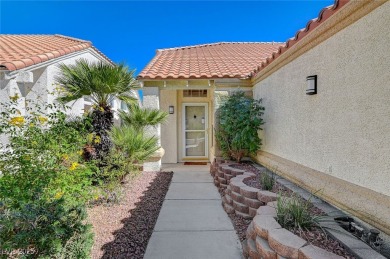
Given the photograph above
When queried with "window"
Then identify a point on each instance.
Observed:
(195, 93)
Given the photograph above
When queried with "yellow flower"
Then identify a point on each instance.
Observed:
(17, 121)
(90, 137)
(73, 166)
(58, 195)
(96, 197)
(42, 119)
(65, 157)
(80, 152)
(14, 98)
(97, 139)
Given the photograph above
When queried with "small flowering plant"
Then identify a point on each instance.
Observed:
(44, 183)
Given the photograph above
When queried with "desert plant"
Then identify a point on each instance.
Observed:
(139, 118)
(43, 183)
(267, 181)
(103, 83)
(294, 213)
(239, 120)
(134, 143)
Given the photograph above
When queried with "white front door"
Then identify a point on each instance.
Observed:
(195, 126)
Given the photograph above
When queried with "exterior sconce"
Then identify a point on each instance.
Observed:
(311, 85)
(171, 109)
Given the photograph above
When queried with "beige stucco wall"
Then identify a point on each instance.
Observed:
(169, 128)
(344, 130)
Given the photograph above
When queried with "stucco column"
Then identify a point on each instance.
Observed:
(151, 99)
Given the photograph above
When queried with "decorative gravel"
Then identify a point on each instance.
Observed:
(315, 236)
(123, 230)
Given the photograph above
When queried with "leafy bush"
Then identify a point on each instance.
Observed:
(44, 183)
(239, 120)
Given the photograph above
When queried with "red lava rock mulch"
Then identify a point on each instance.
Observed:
(123, 230)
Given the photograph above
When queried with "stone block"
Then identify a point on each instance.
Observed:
(250, 232)
(249, 192)
(235, 171)
(252, 203)
(266, 196)
(236, 185)
(240, 207)
(224, 186)
(264, 224)
(222, 180)
(252, 212)
(243, 215)
(228, 199)
(229, 209)
(220, 174)
(285, 243)
(267, 211)
(249, 175)
(314, 252)
(237, 197)
(228, 176)
(264, 249)
(253, 253)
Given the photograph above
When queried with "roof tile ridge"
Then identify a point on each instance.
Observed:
(219, 43)
(323, 15)
(72, 38)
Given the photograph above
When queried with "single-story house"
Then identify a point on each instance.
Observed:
(29, 64)
(326, 95)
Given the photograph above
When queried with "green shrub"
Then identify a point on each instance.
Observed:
(239, 120)
(294, 213)
(134, 143)
(267, 181)
(44, 183)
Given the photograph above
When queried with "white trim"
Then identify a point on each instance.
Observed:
(206, 130)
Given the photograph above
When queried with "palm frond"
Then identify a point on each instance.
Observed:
(134, 143)
(139, 118)
(99, 80)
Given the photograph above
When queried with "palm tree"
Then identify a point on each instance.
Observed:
(139, 118)
(103, 83)
(131, 138)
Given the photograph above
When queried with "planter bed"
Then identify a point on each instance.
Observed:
(242, 201)
(123, 230)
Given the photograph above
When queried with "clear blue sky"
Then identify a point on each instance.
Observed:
(131, 31)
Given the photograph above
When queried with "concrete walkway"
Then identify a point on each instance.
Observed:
(192, 223)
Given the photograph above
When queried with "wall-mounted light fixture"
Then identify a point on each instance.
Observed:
(311, 85)
(171, 109)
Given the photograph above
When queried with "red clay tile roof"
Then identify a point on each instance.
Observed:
(20, 51)
(217, 60)
(324, 14)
